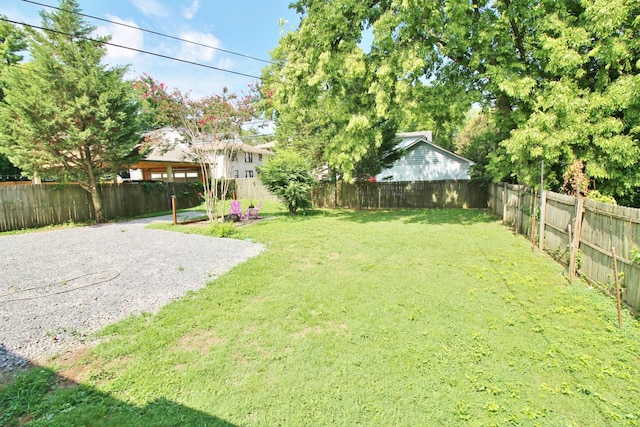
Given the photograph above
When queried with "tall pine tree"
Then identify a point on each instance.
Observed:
(12, 42)
(65, 114)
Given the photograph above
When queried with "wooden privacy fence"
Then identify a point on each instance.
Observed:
(252, 189)
(578, 232)
(407, 194)
(29, 206)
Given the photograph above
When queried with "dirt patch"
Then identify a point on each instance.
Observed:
(74, 370)
(201, 341)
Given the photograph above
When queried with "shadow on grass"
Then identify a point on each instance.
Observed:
(416, 216)
(407, 216)
(37, 395)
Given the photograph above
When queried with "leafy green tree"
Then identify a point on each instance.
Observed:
(381, 157)
(558, 81)
(318, 90)
(477, 141)
(287, 175)
(65, 114)
(210, 127)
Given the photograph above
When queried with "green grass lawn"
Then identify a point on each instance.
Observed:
(407, 317)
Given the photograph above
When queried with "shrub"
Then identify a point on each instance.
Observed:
(599, 197)
(287, 176)
(224, 229)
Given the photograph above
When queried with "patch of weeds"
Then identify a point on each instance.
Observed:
(462, 411)
(24, 394)
(180, 268)
(223, 229)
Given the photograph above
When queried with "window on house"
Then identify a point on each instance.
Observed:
(234, 157)
(260, 157)
(236, 174)
(248, 174)
(248, 157)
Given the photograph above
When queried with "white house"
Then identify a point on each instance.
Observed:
(171, 160)
(425, 161)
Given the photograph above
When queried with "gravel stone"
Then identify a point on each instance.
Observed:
(59, 286)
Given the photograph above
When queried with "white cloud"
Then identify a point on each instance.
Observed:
(123, 36)
(225, 63)
(190, 11)
(192, 52)
(151, 8)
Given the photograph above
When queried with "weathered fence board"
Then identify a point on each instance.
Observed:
(597, 228)
(516, 205)
(389, 195)
(252, 189)
(559, 214)
(31, 206)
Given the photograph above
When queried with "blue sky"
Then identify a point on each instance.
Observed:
(249, 27)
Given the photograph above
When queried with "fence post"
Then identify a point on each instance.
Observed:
(617, 281)
(504, 203)
(533, 220)
(519, 211)
(576, 235)
(571, 254)
(543, 208)
(173, 209)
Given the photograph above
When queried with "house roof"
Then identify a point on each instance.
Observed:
(179, 153)
(267, 145)
(254, 149)
(169, 148)
(410, 139)
(427, 134)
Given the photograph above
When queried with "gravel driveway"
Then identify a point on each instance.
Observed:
(56, 287)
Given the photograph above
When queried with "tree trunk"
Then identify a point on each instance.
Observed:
(96, 198)
(94, 191)
(92, 184)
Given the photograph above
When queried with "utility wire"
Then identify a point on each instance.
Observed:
(134, 49)
(153, 32)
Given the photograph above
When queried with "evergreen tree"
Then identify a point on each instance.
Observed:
(65, 114)
(12, 42)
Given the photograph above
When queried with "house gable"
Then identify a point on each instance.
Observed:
(425, 161)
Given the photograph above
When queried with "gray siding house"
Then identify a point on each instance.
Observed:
(425, 161)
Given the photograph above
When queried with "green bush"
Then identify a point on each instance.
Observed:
(224, 229)
(287, 176)
(602, 198)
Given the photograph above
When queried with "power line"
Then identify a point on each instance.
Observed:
(153, 32)
(134, 49)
